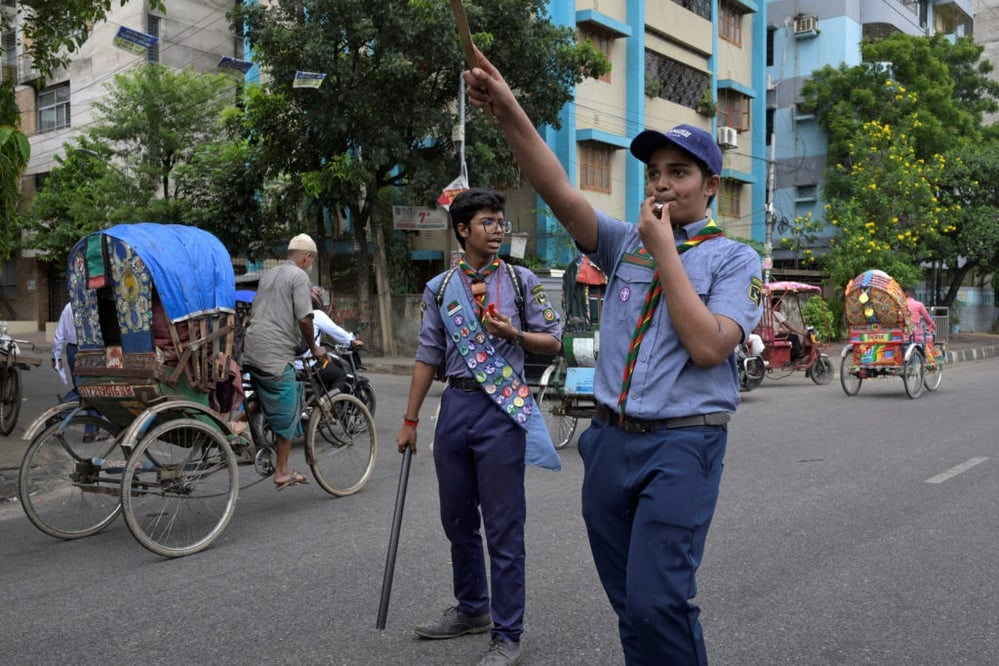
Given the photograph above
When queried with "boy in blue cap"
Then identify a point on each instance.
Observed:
(679, 298)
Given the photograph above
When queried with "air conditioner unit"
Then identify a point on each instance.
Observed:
(728, 137)
(805, 24)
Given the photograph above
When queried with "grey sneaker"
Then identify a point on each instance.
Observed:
(501, 652)
(453, 624)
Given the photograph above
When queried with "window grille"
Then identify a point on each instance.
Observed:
(153, 28)
(673, 81)
(700, 7)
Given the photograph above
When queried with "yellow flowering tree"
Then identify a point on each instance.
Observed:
(970, 192)
(887, 209)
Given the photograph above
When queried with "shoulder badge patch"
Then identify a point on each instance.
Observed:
(756, 291)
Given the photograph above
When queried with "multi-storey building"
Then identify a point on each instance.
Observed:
(803, 36)
(190, 34)
(682, 61)
(987, 34)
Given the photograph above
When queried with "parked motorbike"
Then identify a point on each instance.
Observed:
(10, 380)
(752, 367)
(349, 359)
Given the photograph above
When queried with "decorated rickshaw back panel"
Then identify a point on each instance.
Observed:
(873, 301)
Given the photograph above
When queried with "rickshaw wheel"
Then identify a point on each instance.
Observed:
(933, 374)
(847, 379)
(561, 427)
(180, 486)
(65, 484)
(822, 371)
(341, 443)
(913, 372)
(10, 406)
(262, 435)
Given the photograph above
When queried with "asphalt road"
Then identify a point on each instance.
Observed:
(849, 531)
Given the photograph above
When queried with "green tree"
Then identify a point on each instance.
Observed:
(84, 192)
(15, 151)
(891, 217)
(942, 82)
(49, 32)
(893, 124)
(383, 118)
(969, 192)
(155, 118)
(153, 122)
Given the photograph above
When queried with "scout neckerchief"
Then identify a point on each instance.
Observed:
(652, 298)
(509, 392)
(478, 280)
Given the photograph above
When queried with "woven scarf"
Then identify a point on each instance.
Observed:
(477, 277)
(652, 298)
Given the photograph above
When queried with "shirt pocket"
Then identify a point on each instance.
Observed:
(631, 284)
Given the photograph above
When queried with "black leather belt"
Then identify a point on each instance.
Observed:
(464, 383)
(629, 424)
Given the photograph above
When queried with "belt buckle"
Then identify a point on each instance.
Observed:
(636, 425)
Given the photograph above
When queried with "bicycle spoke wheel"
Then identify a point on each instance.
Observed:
(260, 432)
(70, 478)
(180, 486)
(10, 400)
(560, 426)
(822, 371)
(933, 374)
(341, 443)
(848, 376)
(912, 374)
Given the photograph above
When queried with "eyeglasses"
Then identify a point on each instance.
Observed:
(494, 224)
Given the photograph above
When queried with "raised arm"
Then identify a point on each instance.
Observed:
(540, 166)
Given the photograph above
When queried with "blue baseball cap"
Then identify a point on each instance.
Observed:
(693, 140)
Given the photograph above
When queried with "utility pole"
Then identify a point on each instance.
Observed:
(770, 212)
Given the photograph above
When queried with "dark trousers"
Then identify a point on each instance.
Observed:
(479, 457)
(648, 500)
(70, 356)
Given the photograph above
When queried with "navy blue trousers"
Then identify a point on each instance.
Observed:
(479, 457)
(648, 500)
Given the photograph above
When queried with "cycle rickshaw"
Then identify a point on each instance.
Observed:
(566, 385)
(882, 338)
(151, 435)
(789, 298)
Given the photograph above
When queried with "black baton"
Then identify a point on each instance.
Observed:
(400, 502)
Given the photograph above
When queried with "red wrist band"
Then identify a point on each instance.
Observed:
(410, 422)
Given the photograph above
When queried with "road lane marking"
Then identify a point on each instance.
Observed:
(954, 471)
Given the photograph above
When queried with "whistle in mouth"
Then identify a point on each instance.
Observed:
(657, 209)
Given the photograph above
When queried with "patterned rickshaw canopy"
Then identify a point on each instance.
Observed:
(791, 286)
(188, 269)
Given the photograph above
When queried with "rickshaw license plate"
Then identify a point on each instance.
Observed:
(107, 391)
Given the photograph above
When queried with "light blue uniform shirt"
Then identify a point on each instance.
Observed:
(435, 344)
(666, 384)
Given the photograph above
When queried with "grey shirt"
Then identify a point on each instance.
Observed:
(282, 299)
